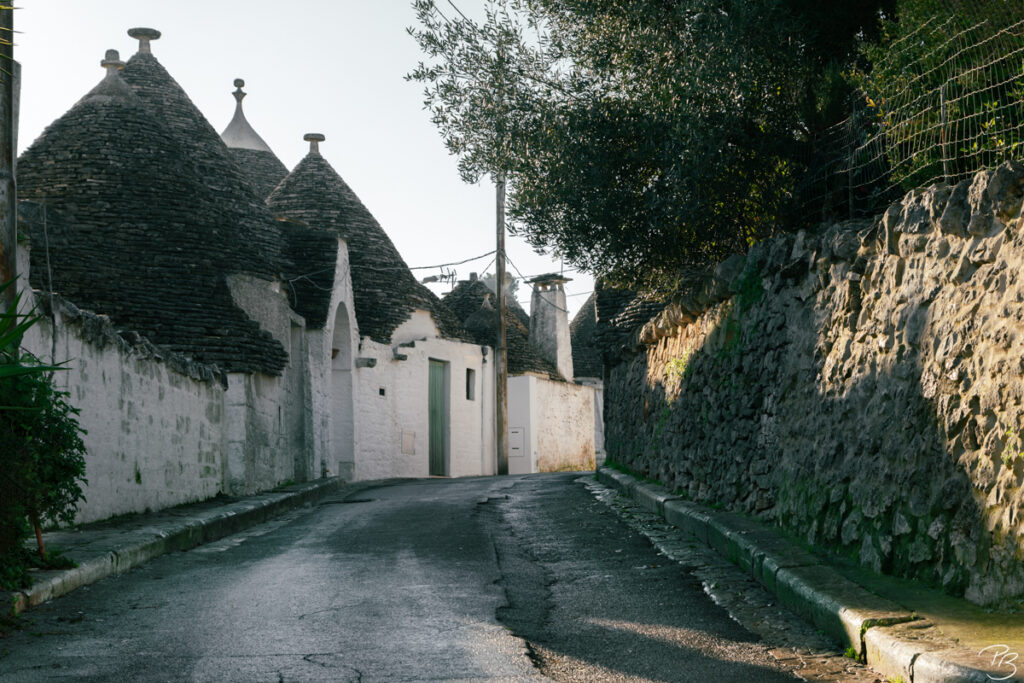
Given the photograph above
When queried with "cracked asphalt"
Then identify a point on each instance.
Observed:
(501, 578)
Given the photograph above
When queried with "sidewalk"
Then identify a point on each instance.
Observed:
(902, 630)
(113, 547)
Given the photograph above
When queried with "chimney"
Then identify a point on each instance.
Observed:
(549, 322)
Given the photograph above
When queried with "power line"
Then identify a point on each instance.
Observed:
(454, 263)
(454, 7)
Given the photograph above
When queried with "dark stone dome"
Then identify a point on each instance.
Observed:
(133, 231)
(386, 292)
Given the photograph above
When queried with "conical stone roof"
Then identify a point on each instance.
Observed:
(386, 292)
(263, 170)
(586, 359)
(131, 230)
(251, 237)
(473, 303)
(251, 153)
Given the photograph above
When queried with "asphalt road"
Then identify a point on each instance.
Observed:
(506, 578)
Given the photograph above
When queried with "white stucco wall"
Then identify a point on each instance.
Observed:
(557, 425)
(598, 385)
(489, 447)
(155, 436)
(565, 431)
(394, 426)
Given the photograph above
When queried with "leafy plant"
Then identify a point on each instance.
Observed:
(940, 97)
(13, 326)
(676, 368)
(40, 440)
(41, 436)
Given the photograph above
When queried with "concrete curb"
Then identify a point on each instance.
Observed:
(185, 529)
(888, 637)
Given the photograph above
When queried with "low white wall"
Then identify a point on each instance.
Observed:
(565, 428)
(155, 434)
(598, 385)
(554, 422)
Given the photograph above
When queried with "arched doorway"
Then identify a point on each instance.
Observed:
(342, 398)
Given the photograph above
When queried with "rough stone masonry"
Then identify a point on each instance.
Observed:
(859, 385)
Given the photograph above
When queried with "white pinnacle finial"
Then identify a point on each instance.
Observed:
(314, 140)
(144, 35)
(239, 93)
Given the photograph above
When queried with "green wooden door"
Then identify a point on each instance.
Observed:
(437, 407)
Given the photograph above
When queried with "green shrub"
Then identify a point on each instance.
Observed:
(43, 453)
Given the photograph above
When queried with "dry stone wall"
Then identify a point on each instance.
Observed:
(861, 386)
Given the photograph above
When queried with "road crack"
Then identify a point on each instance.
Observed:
(524, 580)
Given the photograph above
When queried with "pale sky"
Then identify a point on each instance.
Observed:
(332, 67)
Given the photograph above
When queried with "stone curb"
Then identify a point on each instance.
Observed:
(888, 638)
(191, 530)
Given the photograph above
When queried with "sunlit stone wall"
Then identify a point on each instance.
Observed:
(860, 386)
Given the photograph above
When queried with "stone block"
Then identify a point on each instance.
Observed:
(892, 650)
(652, 497)
(964, 666)
(620, 481)
(689, 517)
(834, 604)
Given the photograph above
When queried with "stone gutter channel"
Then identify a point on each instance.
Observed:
(109, 548)
(888, 637)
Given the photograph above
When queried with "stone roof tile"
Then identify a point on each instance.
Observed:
(620, 312)
(133, 232)
(586, 359)
(253, 235)
(250, 151)
(263, 169)
(385, 290)
(472, 301)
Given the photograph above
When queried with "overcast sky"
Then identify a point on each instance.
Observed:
(332, 67)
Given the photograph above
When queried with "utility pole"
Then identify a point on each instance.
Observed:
(501, 353)
(8, 152)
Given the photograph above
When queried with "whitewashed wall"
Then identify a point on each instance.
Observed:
(332, 353)
(391, 405)
(598, 385)
(565, 432)
(155, 433)
(554, 422)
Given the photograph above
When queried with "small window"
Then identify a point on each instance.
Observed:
(381, 392)
(470, 384)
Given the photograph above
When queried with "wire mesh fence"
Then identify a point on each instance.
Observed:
(943, 102)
